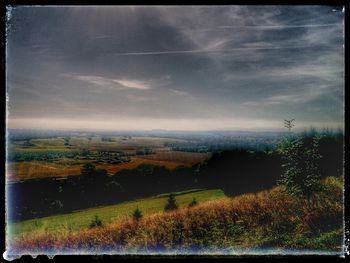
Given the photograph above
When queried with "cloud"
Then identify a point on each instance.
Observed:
(119, 84)
(294, 97)
(135, 98)
(179, 92)
(133, 84)
(234, 26)
(314, 70)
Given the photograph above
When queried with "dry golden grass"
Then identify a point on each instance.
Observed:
(266, 219)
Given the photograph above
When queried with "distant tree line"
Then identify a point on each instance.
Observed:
(214, 145)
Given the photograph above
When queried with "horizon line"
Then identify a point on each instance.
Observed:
(184, 131)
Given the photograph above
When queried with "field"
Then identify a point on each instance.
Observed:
(36, 169)
(62, 166)
(268, 219)
(109, 214)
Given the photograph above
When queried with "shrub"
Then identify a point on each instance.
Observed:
(171, 204)
(96, 222)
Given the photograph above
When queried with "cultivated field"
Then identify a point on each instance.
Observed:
(82, 150)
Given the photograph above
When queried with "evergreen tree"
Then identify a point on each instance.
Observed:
(171, 204)
(137, 214)
(301, 165)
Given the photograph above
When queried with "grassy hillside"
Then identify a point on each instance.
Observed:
(108, 214)
(268, 219)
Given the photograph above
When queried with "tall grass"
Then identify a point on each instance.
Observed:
(268, 219)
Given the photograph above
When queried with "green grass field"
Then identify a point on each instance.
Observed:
(108, 214)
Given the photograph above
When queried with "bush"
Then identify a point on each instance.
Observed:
(96, 222)
(171, 204)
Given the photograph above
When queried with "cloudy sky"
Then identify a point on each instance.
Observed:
(175, 68)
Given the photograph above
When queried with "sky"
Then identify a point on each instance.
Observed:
(174, 67)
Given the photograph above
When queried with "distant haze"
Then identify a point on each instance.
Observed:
(175, 68)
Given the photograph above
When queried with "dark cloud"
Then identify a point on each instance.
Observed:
(219, 67)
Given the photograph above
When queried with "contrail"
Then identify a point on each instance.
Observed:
(281, 26)
(205, 50)
(262, 27)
